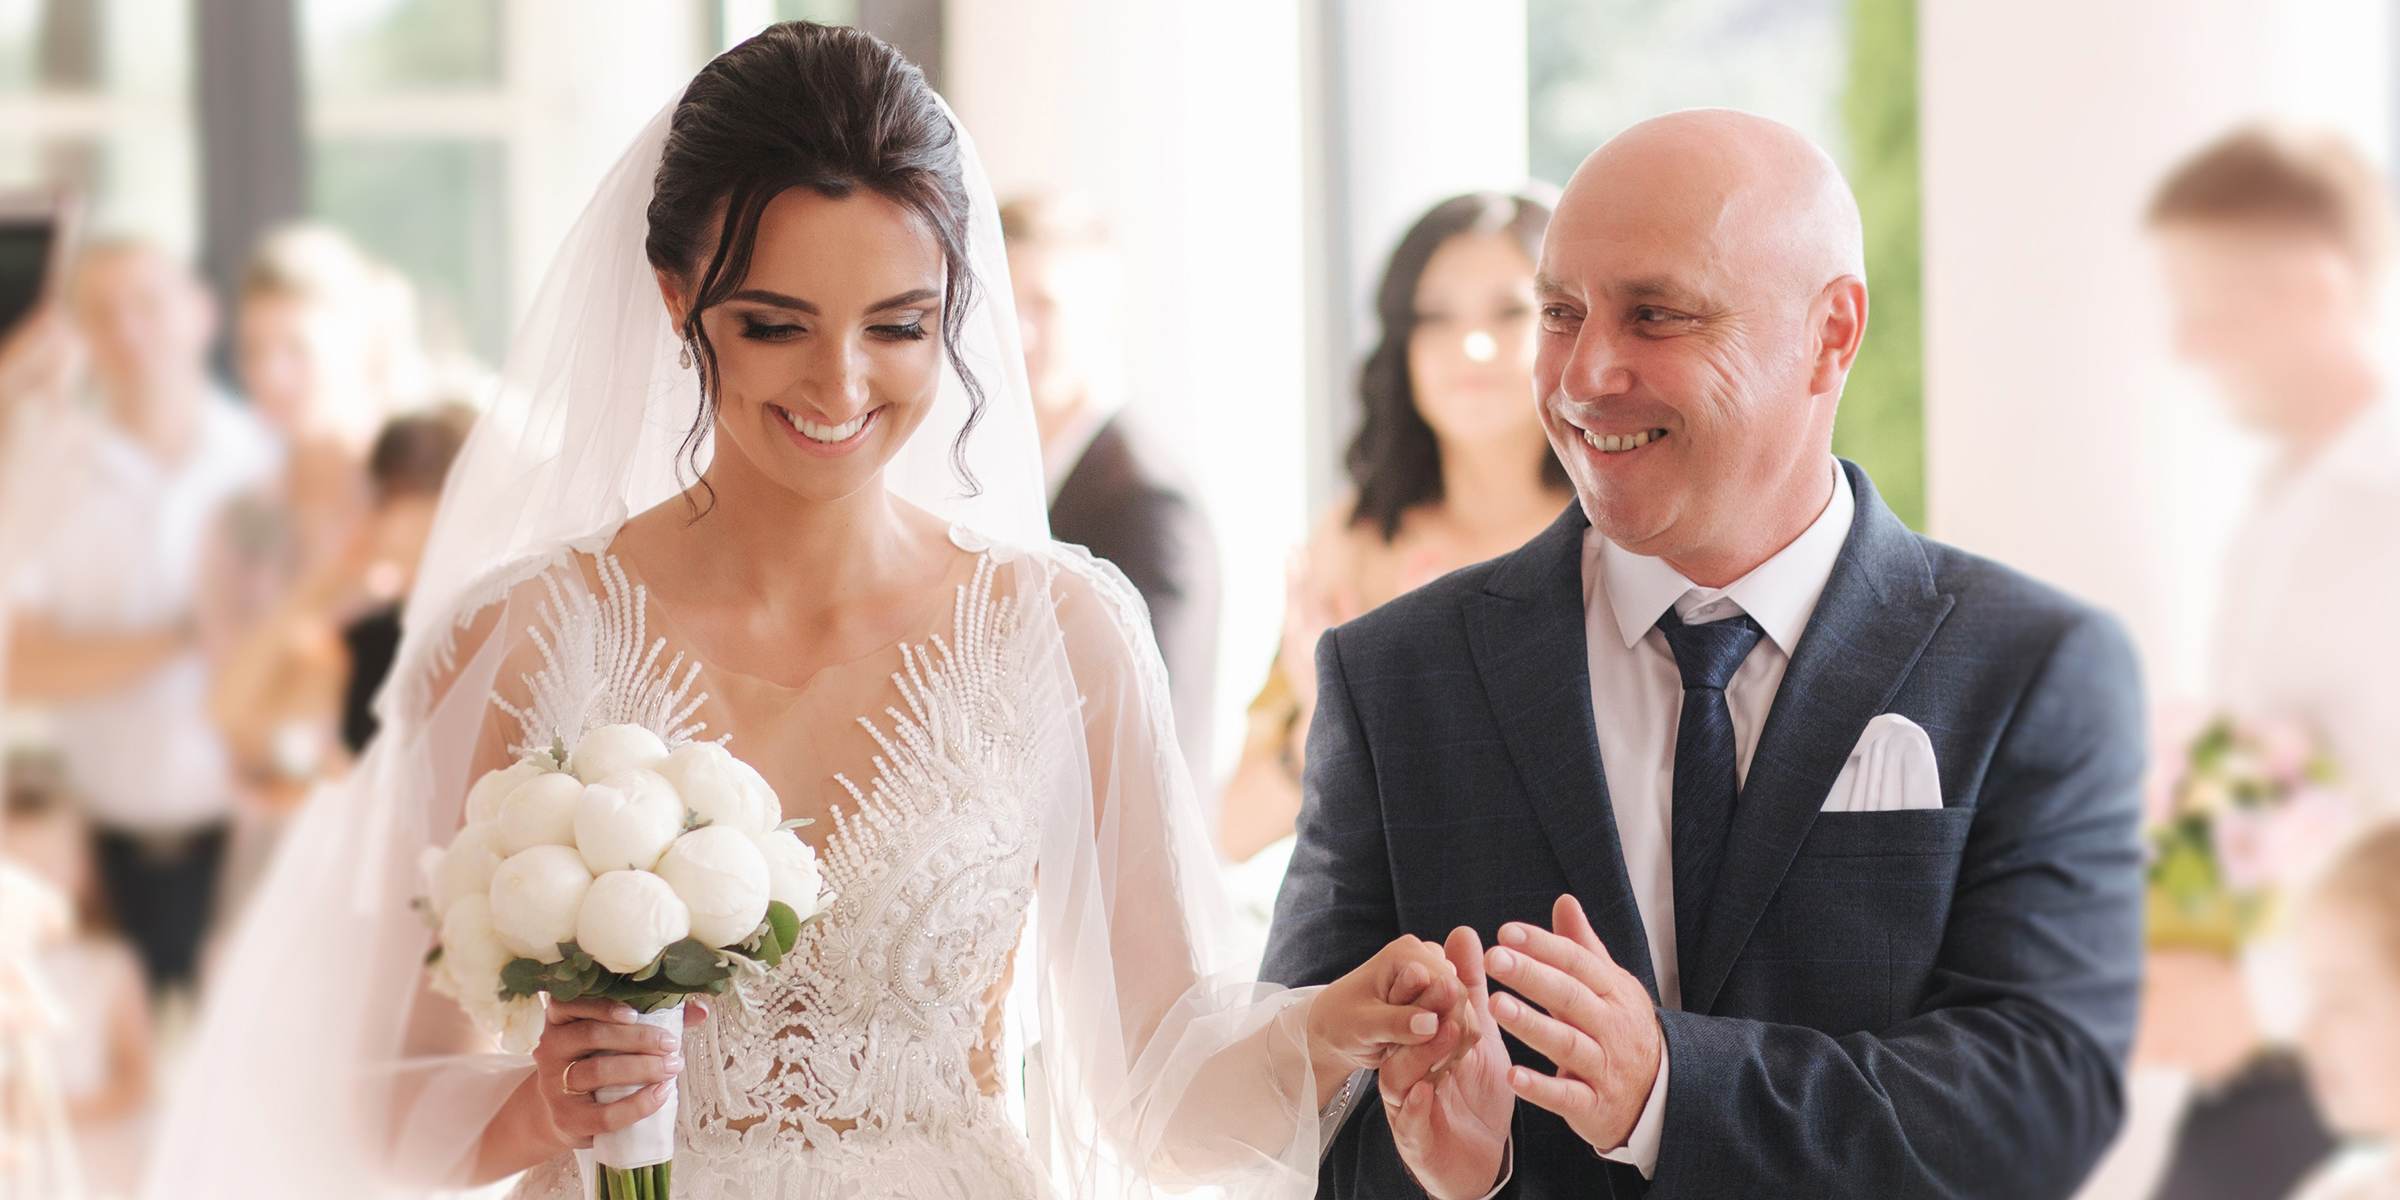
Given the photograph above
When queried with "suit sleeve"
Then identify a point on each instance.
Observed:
(1336, 909)
(2008, 1080)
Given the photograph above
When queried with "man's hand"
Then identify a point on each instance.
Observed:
(1448, 1100)
(1600, 1026)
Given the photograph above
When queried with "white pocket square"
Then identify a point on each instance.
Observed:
(1890, 770)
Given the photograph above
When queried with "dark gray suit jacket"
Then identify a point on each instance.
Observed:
(1922, 1003)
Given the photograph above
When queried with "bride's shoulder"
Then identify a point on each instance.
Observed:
(1099, 616)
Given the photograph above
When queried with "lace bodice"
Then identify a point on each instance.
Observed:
(851, 1071)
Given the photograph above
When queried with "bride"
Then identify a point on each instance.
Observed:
(764, 469)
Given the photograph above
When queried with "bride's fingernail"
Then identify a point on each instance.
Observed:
(674, 1064)
(1423, 1024)
(669, 1040)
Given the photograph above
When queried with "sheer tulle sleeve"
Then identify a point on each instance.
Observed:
(326, 1065)
(1160, 1062)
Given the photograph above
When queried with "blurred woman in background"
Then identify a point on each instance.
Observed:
(1450, 467)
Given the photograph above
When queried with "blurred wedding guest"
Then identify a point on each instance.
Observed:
(2274, 244)
(324, 349)
(2349, 935)
(105, 634)
(1113, 491)
(1450, 467)
(102, 1051)
(322, 654)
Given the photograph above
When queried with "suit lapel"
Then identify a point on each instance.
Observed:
(1527, 634)
(1875, 617)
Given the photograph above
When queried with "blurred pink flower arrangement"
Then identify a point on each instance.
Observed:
(2235, 812)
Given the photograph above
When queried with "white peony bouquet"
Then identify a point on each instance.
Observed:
(616, 869)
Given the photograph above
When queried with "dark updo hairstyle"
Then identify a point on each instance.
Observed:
(815, 106)
(1396, 461)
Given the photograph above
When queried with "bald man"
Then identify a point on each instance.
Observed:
(1804, 846)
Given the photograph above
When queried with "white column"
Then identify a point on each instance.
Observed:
(1180, 121)
(1419, 100)
(2060, 436)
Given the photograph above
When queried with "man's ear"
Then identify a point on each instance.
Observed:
(671, 290)
(1841, 328)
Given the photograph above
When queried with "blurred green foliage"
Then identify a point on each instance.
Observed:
(1882, 423)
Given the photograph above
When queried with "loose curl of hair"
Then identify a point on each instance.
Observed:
(804, 105)
(1396, 460)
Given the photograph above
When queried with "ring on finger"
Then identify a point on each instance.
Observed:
(565, 1086)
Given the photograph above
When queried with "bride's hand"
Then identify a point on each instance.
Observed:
(593, 1044)
(1402, 997)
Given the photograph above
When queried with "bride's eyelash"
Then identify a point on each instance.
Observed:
(767, 331)
(914, 331)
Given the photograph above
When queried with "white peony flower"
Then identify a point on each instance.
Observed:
(628, 917)
(791, 871)
(472, 954)
(707, 777)
(626, 821)
(520, 1020)
(612, 748)
(764, 801)
(536, 897)
(723, 878)
(485, 798)
(541, 812)
(466, 868)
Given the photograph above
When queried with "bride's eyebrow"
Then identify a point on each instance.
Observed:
(779, 300)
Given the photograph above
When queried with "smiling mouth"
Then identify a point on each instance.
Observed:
(829, 435)
(1619, 443)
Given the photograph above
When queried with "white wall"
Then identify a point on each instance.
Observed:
(2061, 438)
(1180, 121)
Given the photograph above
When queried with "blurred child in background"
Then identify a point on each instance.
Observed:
(103, 1051)
(2349, 936)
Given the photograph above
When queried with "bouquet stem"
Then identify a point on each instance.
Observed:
(655, 1182)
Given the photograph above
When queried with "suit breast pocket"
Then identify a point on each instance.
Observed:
(1851, 936)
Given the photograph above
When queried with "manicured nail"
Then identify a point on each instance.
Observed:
(1424, 1024)
(674, 1064)
(669, 1040)
(1513, 934)
(1503, 961)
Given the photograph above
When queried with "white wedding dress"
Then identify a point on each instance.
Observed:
(1005, 777)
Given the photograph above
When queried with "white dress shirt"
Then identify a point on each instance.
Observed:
(122, 554)
(2305, 632)
(1637, 700)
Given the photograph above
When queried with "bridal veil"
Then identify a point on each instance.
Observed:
(1154, 1065)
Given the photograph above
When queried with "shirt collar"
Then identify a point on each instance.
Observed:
(1779, 593)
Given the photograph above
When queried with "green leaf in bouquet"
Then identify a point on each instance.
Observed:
(692, 964)
(785, 925)
(648, 971)
(434, 955)
(797, 822)
(522, 977)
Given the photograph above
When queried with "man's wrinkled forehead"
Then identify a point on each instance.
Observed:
(1638, 251)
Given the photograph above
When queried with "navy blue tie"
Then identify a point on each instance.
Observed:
(1705, 782)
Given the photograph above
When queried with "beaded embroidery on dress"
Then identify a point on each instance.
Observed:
(848, 1073)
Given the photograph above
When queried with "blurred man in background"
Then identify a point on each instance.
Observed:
(2274, 244)
(105, 636)
(1111, 491)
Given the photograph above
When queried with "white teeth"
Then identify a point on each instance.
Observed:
(1616, 443)
(826, 433)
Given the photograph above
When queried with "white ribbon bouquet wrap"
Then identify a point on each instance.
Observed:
(617, 869)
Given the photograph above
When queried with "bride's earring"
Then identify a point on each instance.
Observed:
(686, 357)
